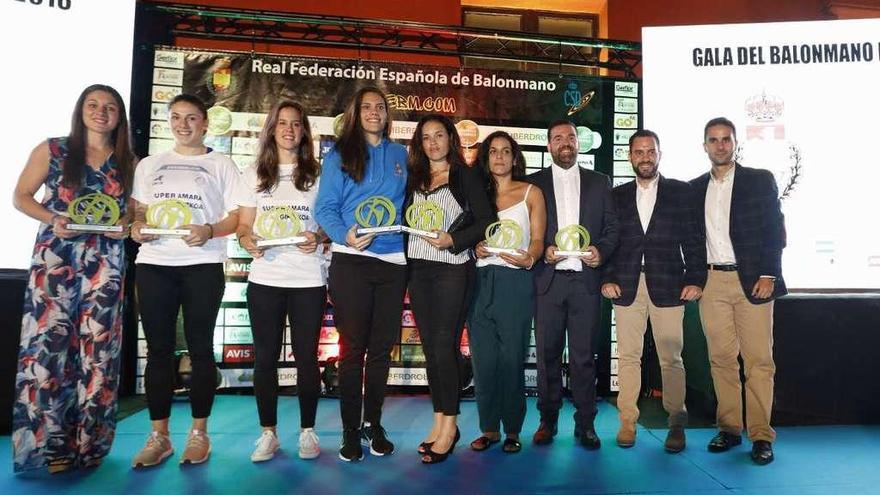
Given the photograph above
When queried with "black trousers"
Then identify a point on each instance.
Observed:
(367, 296)
(568, 307)
(304, 307)
(439, 294)
(161, 292)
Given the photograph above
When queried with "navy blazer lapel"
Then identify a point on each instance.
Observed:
(582, 211)
(738, 177)
(700, 185)
(630, 207)
(546, 176)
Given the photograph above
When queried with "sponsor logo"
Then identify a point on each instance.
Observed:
(626, 121)
(326, 351)
(329, 335)
(219, 120)
(621, 152)
(237, 317)
(235, 292)
(410, 335)
(164, 94)
(169, 77)
(237, 335)
(412, 354)
(575, 101)
(160, 129)
(234, 250)
(245, 145)
(531, 378)
(621, 136)
(159, 111)
(626, 105)
(407, 376)
(407, 319)
(287, 377)
(238, 353)
(623, 169)
(237, 268)
(172, 60)
(468, 132)
(438, 104)
(623, 88)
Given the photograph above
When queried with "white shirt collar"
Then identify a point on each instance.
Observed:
(727, 176)
(651, 185)
(561, 172)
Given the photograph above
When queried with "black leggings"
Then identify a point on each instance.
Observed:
(439, 294)
(161, 292)
(367, 296)
(304, 307)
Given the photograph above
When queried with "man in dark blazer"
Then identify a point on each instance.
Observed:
(659, 264)
(745, 235)
(567, 288)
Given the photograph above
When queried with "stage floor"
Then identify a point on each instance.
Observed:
(810, 460)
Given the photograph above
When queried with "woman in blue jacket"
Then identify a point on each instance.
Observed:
(363, 176)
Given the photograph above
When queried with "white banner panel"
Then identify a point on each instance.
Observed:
(800, 95)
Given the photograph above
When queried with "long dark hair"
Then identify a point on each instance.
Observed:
(518, 172)
(352, 144)
(418, 165)
(307, 168)
(75, 161)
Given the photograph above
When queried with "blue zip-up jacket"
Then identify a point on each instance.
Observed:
(339, 194)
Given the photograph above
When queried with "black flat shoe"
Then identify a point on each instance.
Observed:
(762, 452)
(723, 441)
(483, 443)
(511, 446)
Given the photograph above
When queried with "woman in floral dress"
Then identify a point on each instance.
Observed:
(71, 333)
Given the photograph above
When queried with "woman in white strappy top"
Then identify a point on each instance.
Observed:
(500, 319)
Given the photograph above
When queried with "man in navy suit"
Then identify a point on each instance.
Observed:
(745, 235)
(567, 288)
(659, 264)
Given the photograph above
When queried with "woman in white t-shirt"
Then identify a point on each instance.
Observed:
(284, 280)
(194, 184)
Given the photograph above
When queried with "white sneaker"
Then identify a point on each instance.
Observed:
(308, 444)
(267, 445)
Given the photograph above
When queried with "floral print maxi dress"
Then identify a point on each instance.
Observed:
(71, 333)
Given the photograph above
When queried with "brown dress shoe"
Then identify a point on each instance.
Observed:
(545, 434)
(626, 436)
(675, 440)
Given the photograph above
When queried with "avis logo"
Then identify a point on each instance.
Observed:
(238, 353)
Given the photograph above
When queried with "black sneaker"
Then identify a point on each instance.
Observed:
(377, 439)
(351, 446)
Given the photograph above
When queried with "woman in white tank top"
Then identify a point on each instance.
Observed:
(500, 319)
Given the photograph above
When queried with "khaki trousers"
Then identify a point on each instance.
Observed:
(734, 326)
(666, 324)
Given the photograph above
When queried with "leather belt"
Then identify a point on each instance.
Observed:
(722, 268)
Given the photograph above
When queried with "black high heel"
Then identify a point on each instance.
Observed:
(432, 457)
(424, 447)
